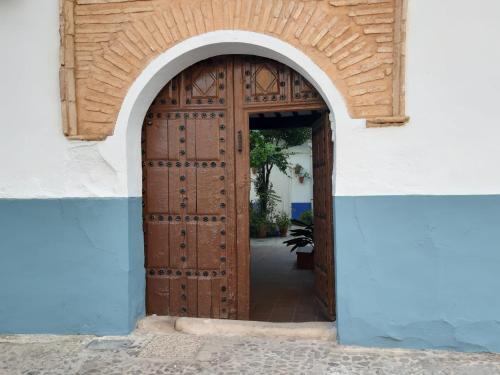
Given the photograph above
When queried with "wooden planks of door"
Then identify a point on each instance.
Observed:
(188, 171)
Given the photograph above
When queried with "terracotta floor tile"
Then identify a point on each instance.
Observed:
(279, 291)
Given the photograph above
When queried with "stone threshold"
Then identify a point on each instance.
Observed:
(324, 331)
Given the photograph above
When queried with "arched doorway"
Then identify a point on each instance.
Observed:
(195, 168)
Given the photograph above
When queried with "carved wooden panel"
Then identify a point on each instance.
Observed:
(269, 83)
(302, 90)
(169, 96)
(265, 81)
(205, 84)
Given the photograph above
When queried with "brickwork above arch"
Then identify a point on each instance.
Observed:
(105, 44)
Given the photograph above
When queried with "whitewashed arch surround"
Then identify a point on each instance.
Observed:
(123, 148)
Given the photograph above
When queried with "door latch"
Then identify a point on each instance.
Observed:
(240, 141)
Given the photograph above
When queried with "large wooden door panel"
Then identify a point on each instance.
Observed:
(188, 168)
(260, 85)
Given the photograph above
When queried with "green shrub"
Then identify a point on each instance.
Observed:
(282, 220)
(306, 217)
(271, 229)
(256, 220)
(302, 236)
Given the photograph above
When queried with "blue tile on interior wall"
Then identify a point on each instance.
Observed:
(298, 208)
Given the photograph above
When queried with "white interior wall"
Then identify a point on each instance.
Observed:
(289, 188)
(301, 192)
(449, 147)
(282, 187)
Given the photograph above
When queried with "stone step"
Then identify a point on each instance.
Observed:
(325, 331)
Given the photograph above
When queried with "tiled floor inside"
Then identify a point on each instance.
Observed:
(279, 291)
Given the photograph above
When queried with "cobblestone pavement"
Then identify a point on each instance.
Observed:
(170, 352)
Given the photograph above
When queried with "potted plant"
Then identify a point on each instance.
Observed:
(306, 217)
(272, 229)
(297, 169)
(301, 173)
(302, 237)
(303, 176)
(262, 226)
(283, 222)
(258, 222)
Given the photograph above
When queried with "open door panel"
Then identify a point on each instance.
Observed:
(324, 284)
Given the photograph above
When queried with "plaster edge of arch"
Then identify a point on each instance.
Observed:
(234, 42)
(179, 57)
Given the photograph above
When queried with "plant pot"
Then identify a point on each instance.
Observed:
(301, 179)
(305, 260)
(283, 231)
(262, 231)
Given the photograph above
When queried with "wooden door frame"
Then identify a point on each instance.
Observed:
(242, 191)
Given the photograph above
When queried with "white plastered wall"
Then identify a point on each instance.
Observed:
(451, 145)
(288, 187)
(282, 186)
(302, 192)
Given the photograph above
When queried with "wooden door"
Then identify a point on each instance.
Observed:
(323, 216)
(260, 86)
(189, 213)
(196, 182)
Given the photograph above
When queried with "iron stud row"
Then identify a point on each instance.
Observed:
(185, 115)
(178, 164)
(172, 272)
(187, 218)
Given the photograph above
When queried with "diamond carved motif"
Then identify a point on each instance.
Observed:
(266, 79)
(306, 86)
(204, 83)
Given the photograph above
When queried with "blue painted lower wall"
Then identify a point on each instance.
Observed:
(419, 272)
(412, 271)
(71, 265)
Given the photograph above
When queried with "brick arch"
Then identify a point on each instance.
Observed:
(106, 44)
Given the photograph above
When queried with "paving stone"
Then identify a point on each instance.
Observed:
(110, 344)
(144, 352)
(179, 347)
